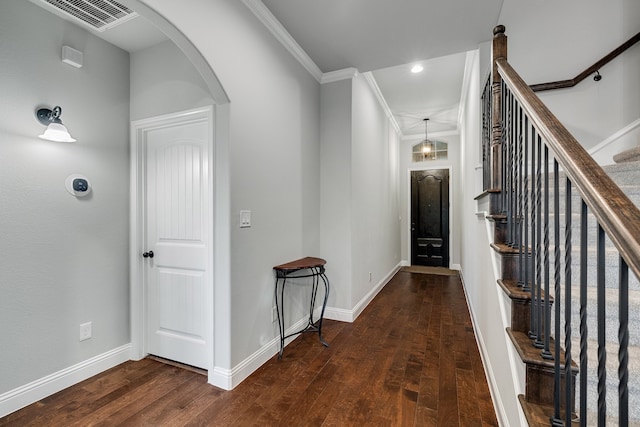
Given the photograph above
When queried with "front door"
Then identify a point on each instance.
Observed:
(177, 240)
(430, 218)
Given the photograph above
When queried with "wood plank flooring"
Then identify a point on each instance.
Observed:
(410, 359)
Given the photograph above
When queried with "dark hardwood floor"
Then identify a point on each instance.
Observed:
(410, 359)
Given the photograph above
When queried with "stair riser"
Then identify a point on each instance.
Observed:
(540, 386)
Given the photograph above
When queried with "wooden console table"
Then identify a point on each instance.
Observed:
(304, 267)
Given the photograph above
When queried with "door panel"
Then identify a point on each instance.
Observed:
(176, 231)
(430, 218)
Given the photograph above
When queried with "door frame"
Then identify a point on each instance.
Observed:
(408, 207)
(137, 273)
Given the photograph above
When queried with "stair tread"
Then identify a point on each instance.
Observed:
(505, 249)
(538, 415)
(515, 292)
(531, 355)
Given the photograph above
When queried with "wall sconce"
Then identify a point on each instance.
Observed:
(55, 131)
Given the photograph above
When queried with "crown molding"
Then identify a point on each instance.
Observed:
(334, 76)
(469, 73)
(282, 35)
(376, 90)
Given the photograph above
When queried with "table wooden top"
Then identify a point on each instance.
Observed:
(301, 264)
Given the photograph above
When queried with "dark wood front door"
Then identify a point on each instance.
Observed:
(430, 218)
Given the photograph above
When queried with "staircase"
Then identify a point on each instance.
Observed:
(538, 398)
(627, 177)
(557, 265)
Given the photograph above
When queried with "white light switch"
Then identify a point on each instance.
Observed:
(245, 219)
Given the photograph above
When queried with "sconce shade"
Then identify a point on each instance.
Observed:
(55, 131)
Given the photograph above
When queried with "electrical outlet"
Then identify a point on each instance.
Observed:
(85, 331)
(274, 314)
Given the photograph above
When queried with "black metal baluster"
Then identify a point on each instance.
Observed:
(514, 174)
(486, 134)
(546, 353)
(583, 314)
(567, 305)
(520, 231)
(556, 420)
(623, 339)
(509, 159)
(602, 349)
(538, 343)
(533, 334)
(525, 210)
(504, 189)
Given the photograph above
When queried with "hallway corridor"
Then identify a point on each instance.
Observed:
(410, 359)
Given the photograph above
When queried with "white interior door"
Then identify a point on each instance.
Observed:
(177, 220)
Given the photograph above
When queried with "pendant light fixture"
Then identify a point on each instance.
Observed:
(428, 149)
(55, 131)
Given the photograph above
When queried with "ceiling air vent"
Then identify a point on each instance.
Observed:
(99, 15)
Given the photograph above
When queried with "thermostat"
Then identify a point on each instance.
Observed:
(78, 185)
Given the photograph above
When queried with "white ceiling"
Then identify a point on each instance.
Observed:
(385, 37)
(374, 34)
(388, 37)
(434, 93)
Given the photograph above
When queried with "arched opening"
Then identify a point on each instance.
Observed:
(220, 331)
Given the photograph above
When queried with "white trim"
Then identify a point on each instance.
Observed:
(366, 300)
(383, 103)
(469, 63)
(334, 76)
(282, 35)
(137, 214)
(350, 316)
(27, 394)
(228, 379)
(486, 362)
(619, 134)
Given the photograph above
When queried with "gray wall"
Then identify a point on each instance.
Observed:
(359, 188)
(375, 216)
(335, 188)
(163, 81)
(64, 261)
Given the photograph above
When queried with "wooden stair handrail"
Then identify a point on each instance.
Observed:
(617, 215)
(592, 69)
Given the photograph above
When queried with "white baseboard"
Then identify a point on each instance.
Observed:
(344, 315)
(227, 379)
(27, 394)
(364, 302)
(486, 362)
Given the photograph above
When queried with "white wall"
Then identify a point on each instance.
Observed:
(163, 81)
(551, 41)
(64, 260)
(375, 200)
(335, 189)
(487, 302)
(360, 234)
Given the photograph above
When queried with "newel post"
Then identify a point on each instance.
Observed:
(499, 50)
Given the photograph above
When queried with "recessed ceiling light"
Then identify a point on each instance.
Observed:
(417, 68)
